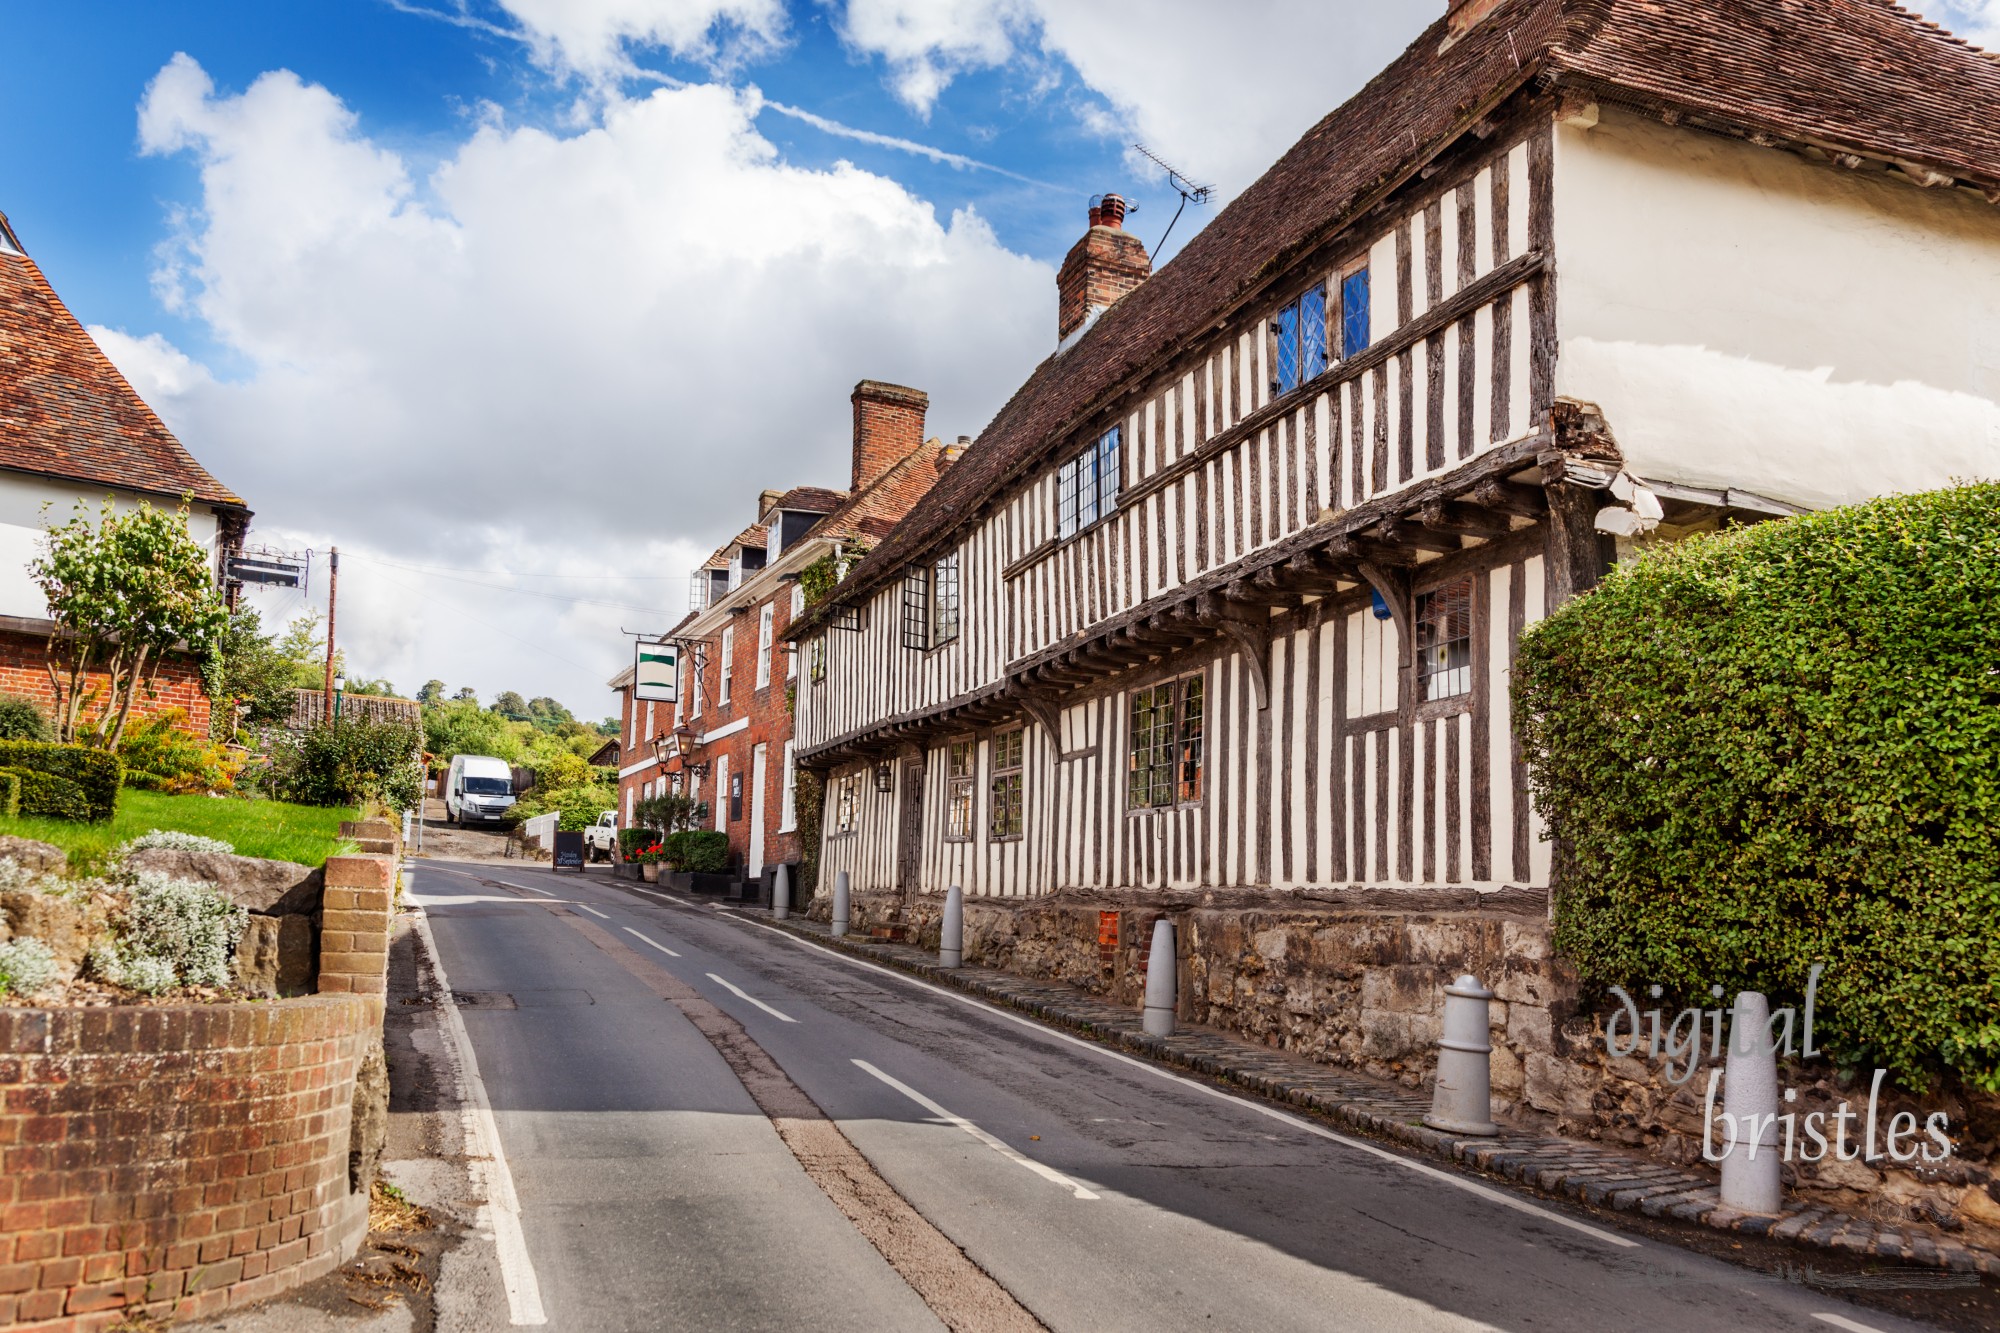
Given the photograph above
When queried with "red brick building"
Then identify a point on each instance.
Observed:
(727, 740)
(72, 429)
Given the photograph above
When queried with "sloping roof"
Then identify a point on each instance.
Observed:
(1859, 74)
(65, 411)
(881, 504)
(810, 500)
(754, 535)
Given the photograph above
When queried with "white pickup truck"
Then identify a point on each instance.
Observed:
(600, 840)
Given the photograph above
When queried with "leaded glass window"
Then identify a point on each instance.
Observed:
(1165, 761)
(1009, 751)
(1444, 641)
(959, 763)
(1298, 341)
(1087, 486)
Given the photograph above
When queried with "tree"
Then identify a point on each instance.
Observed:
(303, 646)
(511, 705)
(245, 670)
(122, 592)
(379, 688)
(463, 727)
(431, 693)
(466, 695)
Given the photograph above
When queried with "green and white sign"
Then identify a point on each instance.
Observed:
(656, 675)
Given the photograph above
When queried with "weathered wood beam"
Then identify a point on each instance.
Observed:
(1396, 532)
(1463, 520)
(1509, 497)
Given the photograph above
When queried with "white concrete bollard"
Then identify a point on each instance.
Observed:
(1161, 1000)
(781, 894)
(841, 897)
(1462, 1101)
(1751, 1162)
(951, 931)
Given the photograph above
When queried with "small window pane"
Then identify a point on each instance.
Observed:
(958, 789)
(944, 601)
(1285, 331)
(1107, 471)
(1354, 314)
(1444, 641)
(1312, 333)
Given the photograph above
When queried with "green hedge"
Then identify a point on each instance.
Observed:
(1780, 746)
(704, 851)
(97, 772)
(44, 795)
(10, 794)
(632, 840)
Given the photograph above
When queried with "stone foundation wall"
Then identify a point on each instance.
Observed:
(1363, 987)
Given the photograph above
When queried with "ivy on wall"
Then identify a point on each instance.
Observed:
(1780, 746)
(808, 803)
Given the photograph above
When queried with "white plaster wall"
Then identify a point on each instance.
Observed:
(22, 520)
(1748, 318)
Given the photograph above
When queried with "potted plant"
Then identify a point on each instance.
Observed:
(649, 857)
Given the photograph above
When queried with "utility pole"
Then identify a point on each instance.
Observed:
(332, 590)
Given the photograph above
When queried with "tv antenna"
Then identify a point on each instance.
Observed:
(1190, 192)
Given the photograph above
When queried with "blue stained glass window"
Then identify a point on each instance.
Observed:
(1298, 341)
(1312, 333)
(1354, 313)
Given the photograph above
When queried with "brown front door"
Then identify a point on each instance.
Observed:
(910, 845)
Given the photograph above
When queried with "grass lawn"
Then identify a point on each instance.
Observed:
(304, 833)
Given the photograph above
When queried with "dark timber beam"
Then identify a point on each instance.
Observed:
(1507, 497)
(1463, 520)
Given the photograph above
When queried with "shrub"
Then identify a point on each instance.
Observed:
(10, 793)
(48, 795)
(1780, 746)
(174, 932)
(703, 851)
(160, 756)
(26, 966)
(631, 840)
(347, 762)
(23, 720)
(96, 772)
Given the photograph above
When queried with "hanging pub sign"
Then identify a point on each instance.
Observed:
(657, 672)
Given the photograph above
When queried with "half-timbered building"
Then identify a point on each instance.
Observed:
(1225, 597)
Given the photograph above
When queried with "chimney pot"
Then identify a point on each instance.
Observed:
(1099, 269)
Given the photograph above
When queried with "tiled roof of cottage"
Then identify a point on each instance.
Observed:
(65, 411)
(754, 535)
(811, 500)
(1859, 75)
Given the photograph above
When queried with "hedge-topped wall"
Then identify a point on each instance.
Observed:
(1780, 746)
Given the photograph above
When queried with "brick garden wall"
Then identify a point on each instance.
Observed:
(24, 671)
(176, 1160)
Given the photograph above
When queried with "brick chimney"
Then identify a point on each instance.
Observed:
(1461, 15)
(1106, 264)
(888, 427)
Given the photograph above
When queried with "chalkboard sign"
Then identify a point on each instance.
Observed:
(569, 850)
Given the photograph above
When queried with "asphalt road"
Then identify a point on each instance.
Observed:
(615, 1031)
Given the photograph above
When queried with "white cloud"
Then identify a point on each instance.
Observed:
(1978, 21)
(1219, 90)
(590, 37)
(582, 353)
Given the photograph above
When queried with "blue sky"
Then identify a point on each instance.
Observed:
(522, 302)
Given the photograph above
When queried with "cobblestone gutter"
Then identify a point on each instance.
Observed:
(1565, 1168)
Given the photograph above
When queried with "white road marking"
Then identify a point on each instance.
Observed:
(606, 916)
(1842, 1321)
(741, 995)
(486, 1160)
(1158, 1071)
(529, 887)
(655, 943)
(1045, 1172)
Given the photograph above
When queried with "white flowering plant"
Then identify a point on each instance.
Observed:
(174, 840)
(174, 932)
(26, 966)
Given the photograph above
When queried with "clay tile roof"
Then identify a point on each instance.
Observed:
(1861, 74)
(65, 411)
(876, 509)
(754, 535)
(811, 500)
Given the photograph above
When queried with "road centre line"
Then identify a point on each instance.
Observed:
(529, 887)
(1270, 1112)
(486, 1160)
(604, 916)
(742, 995)
(1046, 1172)
(655, 943)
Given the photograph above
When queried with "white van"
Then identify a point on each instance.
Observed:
(478, 789)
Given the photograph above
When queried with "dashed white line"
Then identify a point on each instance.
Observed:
(1346, 1141)
(655, 943)
(605, 916)
(741, 995)
(529, 887)
(1842, 1321)
(1045, 1172)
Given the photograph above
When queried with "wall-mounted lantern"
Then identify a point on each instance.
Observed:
(885, 777)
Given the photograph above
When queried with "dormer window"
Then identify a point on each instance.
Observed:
(10, 244)
(1087, 486)
(1298, 341)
